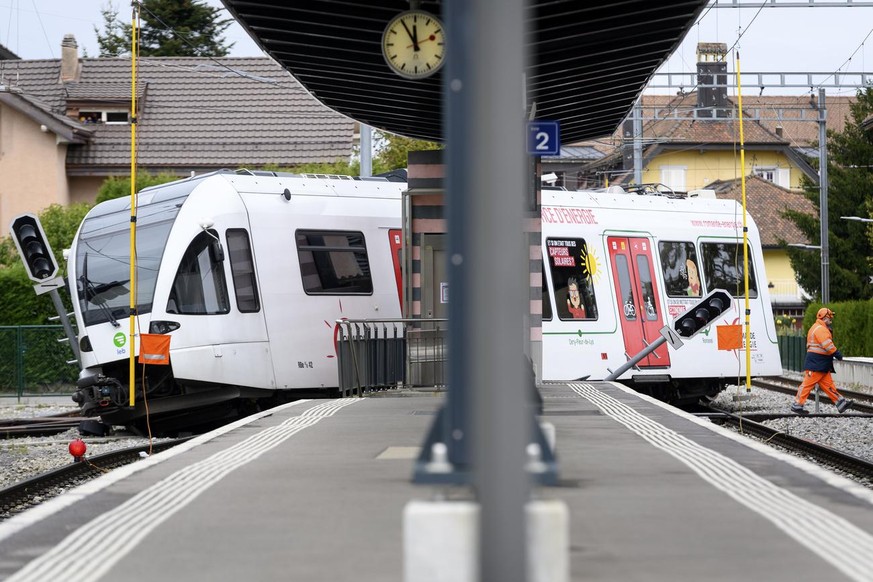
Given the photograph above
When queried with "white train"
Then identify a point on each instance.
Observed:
(618, 267)
(246, 273)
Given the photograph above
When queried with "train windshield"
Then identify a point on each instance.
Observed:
(103, 264)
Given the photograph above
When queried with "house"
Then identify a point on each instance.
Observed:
(65, 123)
(691, 139)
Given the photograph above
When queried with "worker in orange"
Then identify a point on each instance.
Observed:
(819, 363)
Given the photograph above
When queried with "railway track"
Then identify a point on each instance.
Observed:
(39, 426)
(25, 494)
(822, 454)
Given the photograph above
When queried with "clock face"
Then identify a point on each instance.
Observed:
(414, 44)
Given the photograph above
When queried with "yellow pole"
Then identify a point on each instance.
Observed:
(132, 343)
(746, 332)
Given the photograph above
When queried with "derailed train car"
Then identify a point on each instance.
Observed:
(246, 273)
(620, 266)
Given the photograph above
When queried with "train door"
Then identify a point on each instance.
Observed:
(395, 242)
(637, 297)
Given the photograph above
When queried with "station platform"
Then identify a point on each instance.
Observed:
(315, 490)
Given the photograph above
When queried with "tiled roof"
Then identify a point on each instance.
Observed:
(688, 129)
(795, 108)
(65, 128)
(799, 117)
(766, 202)
(195, 113)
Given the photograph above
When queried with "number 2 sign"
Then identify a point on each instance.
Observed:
(543, 138)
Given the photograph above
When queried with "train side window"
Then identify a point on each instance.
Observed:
(723, 268)
(242, 269)
(650, 309)
(681, 269)
(628, 305)
(547, 302)
(200, 287)
(572, 273)
(334, 263)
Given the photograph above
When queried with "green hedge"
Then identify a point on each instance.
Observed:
(853, 325)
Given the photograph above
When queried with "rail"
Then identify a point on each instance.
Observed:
(378, 354)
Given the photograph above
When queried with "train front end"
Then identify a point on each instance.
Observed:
(99, 280)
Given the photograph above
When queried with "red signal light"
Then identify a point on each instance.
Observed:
(77, 449)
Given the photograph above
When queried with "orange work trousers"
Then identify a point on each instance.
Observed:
(824, 381)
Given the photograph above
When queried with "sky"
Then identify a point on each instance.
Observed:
(814, 40)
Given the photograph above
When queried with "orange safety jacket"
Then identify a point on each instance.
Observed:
(820, 348)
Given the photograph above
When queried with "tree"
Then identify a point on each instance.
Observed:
(118, 187)
(850, 191)
(393, 151)
(168, 28)
(115, 40)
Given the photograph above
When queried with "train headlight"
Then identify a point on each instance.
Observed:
(703, 313)
(162, 327)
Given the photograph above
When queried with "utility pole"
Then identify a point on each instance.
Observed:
(638, 141)
(823, 195)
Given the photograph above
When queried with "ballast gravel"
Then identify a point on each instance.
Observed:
(23, 458)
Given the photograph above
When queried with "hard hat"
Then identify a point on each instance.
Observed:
(824, 312)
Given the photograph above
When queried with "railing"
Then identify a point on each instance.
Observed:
(34, 360)
(792, 351)
(377, 354)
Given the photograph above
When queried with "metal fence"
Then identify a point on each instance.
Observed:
(390, 353)
(34, 360)
(792, 350)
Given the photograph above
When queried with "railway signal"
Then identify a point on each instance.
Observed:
(33, 246)
(698, 317)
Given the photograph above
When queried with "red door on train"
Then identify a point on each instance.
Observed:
(638, 298)
(396, 245)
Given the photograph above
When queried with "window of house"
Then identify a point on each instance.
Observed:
(681, 269)
(200, 287)
(571, 278)
(109, 117)
(334, 263)
(779, 176)
(723, 268)
(674, 177)
(242, 268)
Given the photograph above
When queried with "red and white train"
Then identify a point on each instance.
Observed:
(619, 266)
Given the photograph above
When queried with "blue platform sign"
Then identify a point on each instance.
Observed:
(543, 138)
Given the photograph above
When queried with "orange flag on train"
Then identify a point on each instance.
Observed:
(154, 348)
(730, 337)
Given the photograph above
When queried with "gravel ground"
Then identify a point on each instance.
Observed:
(851, 435)
(23, 458)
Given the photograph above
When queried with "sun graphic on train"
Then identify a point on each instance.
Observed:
(590, 265)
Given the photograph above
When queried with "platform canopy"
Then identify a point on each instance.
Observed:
(590, 60)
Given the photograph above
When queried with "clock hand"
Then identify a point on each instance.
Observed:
(431, 38)
(411, 35)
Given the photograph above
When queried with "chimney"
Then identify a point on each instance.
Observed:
(711, 80)
(69, 59)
